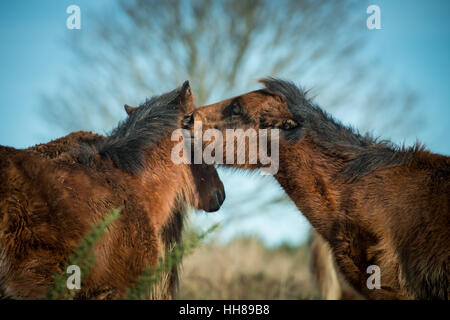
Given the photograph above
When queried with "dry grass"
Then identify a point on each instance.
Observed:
(246, 269)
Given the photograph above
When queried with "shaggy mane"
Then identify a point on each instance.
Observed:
(363, 153)
(127, 144)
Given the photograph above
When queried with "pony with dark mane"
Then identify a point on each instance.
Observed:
(52, 195)
(374, 203)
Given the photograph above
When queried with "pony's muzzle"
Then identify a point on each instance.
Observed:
(219, 198)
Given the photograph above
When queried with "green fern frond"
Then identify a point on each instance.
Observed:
(152, 275)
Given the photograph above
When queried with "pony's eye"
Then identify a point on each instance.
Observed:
(236, 108)
(289, 124)
(188, 121)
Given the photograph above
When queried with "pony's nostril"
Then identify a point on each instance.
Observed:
(216, 202)
(219, 198)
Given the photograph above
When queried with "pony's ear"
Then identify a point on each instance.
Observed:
(277, 95)
(187, 97)
(129, 109)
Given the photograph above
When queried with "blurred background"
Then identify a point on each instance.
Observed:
(392, 82)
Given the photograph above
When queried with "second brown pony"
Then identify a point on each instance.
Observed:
(374, 203)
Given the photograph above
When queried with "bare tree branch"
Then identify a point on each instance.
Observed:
(141, 48)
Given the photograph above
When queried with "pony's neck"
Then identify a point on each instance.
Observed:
(165, 184)
(361, 153)
(317, 169)
(308, 174)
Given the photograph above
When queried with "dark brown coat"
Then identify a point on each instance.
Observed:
(172, 231)
(374, 203)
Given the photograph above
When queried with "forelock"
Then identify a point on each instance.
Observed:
(294, 95)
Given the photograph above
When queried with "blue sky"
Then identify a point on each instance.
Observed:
(414, 44)
(32, 58)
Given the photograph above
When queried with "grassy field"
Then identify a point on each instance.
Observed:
(246, 269)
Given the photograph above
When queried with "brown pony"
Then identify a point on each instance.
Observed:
(374, 203)
(49, 202)
(165, 288)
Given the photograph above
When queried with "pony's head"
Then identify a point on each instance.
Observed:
(249, 116)
(260, 109)
(165, 114)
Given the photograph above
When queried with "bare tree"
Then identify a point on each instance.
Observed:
(143, 47)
